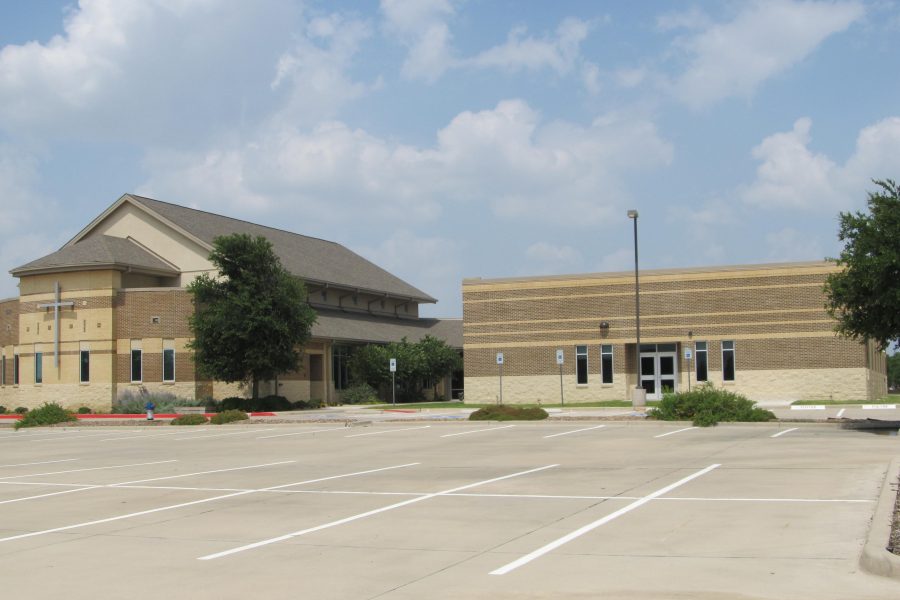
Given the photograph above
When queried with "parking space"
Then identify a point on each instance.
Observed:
(437, 510)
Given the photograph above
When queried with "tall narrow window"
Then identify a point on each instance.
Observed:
(38, 366)
(85, 362)
(137, 361)
(15, 369)
(606, 363)
(340, 367)
(702, 361)
(728, 361)
(581, 364)
(168, 360)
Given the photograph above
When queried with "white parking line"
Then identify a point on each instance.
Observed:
(784, 432)
(277, 435)
(573, 431)
(674, 432)
(75, 435)
(591, 526)
(364, 515)
(182, 505)
(841, 413)
(127, 483)
(879, 406)
(218, 435)
(158, 462)
(387, 431)
(477, 431)
(44, 462)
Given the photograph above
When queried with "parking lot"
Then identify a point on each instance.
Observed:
(441, 510)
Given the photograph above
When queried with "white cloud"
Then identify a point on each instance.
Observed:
(421, 26)
(693, 18)
(544, 257)
(504, 158)
(792, 176)
(789, 244)
(521, 52)
(27, 216)
(315, 70)
(619, 260)
(151, 68)
(766, 38)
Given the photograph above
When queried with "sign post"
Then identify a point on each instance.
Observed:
(500, 366)
(559, 361)
(688, 355)
(393, 367)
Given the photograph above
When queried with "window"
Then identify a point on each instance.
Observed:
(137, 361)
(606, 363)
(168, 357)
(38, 367)
(581, 364)
(15, 369)
(340, 370)
(702, 361)
(85, 363)
(727, 361)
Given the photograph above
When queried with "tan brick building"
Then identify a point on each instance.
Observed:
(760, 330)
(108, 312)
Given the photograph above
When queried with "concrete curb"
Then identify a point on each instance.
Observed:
(875, 558)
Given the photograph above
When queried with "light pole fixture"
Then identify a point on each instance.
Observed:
(638, 396)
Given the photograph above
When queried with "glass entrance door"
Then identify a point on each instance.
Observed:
(659, 369)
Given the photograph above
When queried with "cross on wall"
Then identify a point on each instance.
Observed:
(56, 306)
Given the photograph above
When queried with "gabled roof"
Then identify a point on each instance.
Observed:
(312, 259)
(97, 252)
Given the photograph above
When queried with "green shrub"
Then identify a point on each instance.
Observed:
(84, 410)
(706, 406)
(49, 413)
(361, 393)
(2, 410)
(189, 420)
(228, 416)
(310, 404)
(20, 410)
(505, 412)
(131, 402)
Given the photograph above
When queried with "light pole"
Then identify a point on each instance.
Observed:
(639, 395)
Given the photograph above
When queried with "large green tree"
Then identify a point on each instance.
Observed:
(418, 364)
(893, 370)
(251, 320)
(865, 296)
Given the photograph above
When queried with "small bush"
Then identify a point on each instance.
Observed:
(306, 404)
(49, 413)
(84, 410)
(2, 410)
(505, 412)
(707, 406)
(361, 393)
(20, 410)
(228, 416)
(189, 420)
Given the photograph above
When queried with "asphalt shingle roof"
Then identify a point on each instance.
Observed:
(353, 327)
(98, 251)
(312, 259)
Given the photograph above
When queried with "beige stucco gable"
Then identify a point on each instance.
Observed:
(126, 219)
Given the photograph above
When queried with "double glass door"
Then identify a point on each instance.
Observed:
(659, 369)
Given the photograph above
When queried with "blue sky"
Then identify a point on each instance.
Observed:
(447, 139)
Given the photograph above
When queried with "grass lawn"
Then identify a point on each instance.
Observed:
(891, 399)
(455, 404)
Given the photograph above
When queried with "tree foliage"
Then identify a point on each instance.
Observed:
(419, 364)
(251, 320)
(893, 370)
(865, 296)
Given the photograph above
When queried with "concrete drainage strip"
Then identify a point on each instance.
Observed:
(875, 557)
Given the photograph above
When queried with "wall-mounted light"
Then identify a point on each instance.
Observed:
(604, 324)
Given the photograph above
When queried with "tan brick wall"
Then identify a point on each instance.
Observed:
(774, 314)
